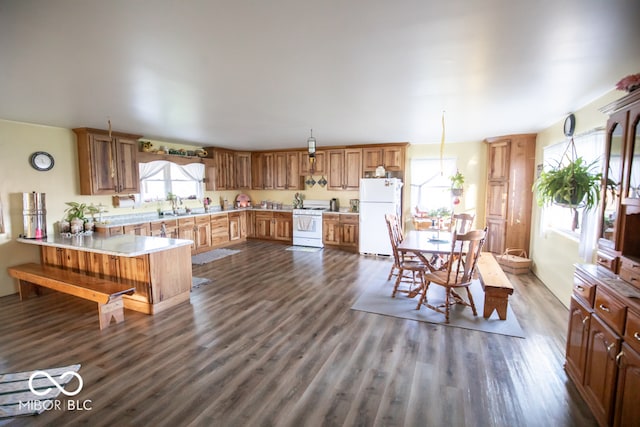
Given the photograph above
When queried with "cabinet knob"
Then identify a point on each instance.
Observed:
(636, 335)
(604, 308)
(579, 288)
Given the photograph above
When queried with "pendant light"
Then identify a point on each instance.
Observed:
(311, 143)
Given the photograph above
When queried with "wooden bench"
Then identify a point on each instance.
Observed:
(105, 291)
(495, 284)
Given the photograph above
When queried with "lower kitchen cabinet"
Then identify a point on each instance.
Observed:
(143, 229)
(203, 233)
(237, 226)
(187, 230)
(219, 229)
(341, 231)
(165, 228)
(603, 345)
(273, 225)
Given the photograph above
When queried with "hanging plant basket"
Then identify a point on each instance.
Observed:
(457, 192)
(571, 185)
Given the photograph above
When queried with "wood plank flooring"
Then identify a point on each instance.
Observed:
(272, 341)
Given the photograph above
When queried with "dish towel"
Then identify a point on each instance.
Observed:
(304, 223)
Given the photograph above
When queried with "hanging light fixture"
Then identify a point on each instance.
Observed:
(311, 143)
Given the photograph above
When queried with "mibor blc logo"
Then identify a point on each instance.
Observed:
(47, 405)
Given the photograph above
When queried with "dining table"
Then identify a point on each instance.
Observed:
(429, 246)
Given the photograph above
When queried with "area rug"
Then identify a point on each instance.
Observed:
(377, 299)
(213, 255)
(17, 397)
(303, 249)
(196, 282)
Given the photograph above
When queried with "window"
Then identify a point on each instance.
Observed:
(159, 178)
(590, 147)
(430, 183)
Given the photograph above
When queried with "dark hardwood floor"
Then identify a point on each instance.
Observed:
(272, 341)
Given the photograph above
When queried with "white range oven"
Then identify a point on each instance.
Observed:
(307, 223)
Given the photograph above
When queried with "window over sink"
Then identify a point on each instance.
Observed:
(159, 178)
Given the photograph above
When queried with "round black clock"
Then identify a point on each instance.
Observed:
(569, 125)
(41, 161)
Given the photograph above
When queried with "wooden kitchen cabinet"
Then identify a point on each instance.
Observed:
(203, 233)
(165, 228)
(627, 409)
(219, 229)
(251, 223)
(391, 157)
(107, 162)
(510, 176)
(243, 170)
(237, 225)
(225, 169)
(143, 229)
(262, 171)
(318, 165)
(187, 230)
(344, 169)
(287, 171)
(274, 225)
(341, 231)
(283, 226)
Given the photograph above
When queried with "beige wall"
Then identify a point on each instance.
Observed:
(554, 254)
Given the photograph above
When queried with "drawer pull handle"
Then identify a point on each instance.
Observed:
(609, 348)
(604, 308)
(580, 288)
(636, 335)
(584, 321)
(618, 357)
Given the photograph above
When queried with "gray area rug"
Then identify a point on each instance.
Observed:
(213, 255)
(377, 299)
(40, 395)
(196, 282)
(303, 249)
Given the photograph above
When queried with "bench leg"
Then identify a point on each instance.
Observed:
(26, 289)
(498, 302)
(113, 309)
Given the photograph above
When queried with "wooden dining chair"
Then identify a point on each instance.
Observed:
(409, 270)
(461, 265)
(462, 222)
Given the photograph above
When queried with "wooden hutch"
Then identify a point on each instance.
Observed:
(603, 342)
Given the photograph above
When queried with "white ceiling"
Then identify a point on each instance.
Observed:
(259, 74)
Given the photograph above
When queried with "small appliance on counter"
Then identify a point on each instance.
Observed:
(355, 205)
(35, 215)
(334, 206)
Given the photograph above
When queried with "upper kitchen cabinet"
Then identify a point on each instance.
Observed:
(287, 171)
(619, 242)
(107, 162)
(319, 164)
(344, 169)
(391, 157)
(510, 175)
(243, 170)
(262, 171)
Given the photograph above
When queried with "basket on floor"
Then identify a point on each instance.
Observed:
(514, 261)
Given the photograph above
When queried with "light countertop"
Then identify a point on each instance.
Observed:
(123, 245)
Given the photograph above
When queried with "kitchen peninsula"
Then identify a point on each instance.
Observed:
(159, 267)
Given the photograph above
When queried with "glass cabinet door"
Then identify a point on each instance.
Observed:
(613, 181)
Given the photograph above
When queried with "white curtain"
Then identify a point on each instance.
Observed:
(195, 171)
(192, 171)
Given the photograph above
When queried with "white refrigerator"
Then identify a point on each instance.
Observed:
(378, 196)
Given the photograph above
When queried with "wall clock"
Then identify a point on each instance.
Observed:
(569, 125)
(41, 161)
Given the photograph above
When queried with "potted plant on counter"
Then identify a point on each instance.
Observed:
(75, 215)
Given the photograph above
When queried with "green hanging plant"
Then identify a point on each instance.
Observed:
(574, 185)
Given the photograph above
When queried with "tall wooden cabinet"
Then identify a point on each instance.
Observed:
(107, 162)
(345, 169)
(619, 239)
(510, 176)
